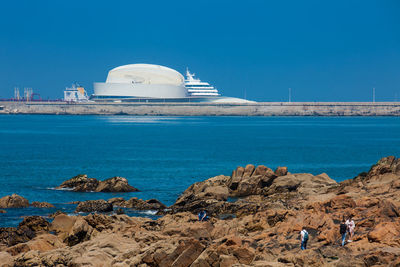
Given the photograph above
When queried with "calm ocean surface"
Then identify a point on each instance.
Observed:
(162, 156)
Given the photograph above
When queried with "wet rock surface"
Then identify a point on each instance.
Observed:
(81, 183)
(263, 229)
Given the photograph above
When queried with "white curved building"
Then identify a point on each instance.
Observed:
(141, 81)
(154, 83)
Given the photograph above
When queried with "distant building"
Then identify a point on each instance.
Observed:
(76, 93)
(154, 83)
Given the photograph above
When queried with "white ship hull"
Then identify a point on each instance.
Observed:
(140, 90)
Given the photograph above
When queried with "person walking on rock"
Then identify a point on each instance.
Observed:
(304, 238)
(350, 228)
(203, 216)
(343, 231)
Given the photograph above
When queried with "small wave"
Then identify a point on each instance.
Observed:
(149, 212)
(60, 189)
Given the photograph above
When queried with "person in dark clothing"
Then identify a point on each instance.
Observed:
(203, 216)
(343, 231)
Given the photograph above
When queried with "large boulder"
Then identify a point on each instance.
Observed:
(115, 184)
(13, 201)
(81, 183)
(251, 181)
(203, 194)
(94, 205)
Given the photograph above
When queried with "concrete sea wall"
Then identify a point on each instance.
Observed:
(201, 109)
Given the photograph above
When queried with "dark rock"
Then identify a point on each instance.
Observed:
(11, 236)
(13, 201)
(155, 204)
(139, 204)
(27, 229)
(3, 211)
(99, 221)
(94, 205)
(35, 223)
(119, 211)
(41, 204)
(118, 201)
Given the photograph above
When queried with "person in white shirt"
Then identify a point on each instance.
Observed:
(304, 238)
(350, 228)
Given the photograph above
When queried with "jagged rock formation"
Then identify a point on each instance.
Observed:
(81, 183)
(13, 201)
(263, 230)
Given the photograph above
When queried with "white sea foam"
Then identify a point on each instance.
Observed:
(142, 119)
(60, 189)
(148, 212)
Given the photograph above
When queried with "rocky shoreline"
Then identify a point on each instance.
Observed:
(256, 215)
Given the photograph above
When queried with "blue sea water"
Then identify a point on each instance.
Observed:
(162, 156)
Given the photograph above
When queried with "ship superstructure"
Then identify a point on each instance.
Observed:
(195, 87)
(76, 93)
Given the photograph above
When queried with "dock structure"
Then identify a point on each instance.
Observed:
(206, 109)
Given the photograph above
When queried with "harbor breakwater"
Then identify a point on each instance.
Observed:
(206, 109)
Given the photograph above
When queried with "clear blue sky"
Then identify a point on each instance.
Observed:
(323, 50)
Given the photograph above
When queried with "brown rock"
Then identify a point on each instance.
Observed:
(80, 231)
(281, 171)
(388, 208)
(94, 205)
(13, 201)
(81, 183)
(58, 212)
(62, 225)
(386, 233)
(248, 170)
(42, 243)
(227, 260)
(3, 211)
(238, 173)
(193, 249)
(6, 259)
(41, 204)
(244, 255)
(115, 184)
